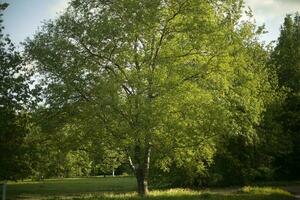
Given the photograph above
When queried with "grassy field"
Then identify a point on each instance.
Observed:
(122, 188)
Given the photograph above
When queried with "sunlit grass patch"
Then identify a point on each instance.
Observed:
(174, 192)
(246, 193)
(264, 190)
(154, 194)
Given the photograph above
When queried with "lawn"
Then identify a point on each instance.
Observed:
(70, 187)
(122, 188)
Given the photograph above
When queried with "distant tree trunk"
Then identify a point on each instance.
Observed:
(4, 190)
(113, 172)
(141, 170)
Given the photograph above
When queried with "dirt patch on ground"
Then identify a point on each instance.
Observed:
(295, 190)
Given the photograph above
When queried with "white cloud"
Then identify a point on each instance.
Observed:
(57, 7)
(272, 13)
(269, 9)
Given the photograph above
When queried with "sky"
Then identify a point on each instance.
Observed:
(23, 17)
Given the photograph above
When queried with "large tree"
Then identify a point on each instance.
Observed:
(161, 77)
(285, 60)
(13, 95)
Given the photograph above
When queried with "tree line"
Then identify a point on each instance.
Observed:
(175, 92)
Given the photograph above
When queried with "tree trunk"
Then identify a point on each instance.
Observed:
(141, 170)
(142, 183)
(4, 190)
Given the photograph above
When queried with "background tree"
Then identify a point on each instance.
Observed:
(285, 61)
(57, 147)
(107, 160)
(14, 93)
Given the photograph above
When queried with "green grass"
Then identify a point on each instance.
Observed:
(122, 188)
(69, 187)
(185, 194)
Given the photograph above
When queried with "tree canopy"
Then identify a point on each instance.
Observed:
(161, 77)
(285, 61)
(14, 92)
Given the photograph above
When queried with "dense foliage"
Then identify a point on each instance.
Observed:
(13, 121)
(285, 60)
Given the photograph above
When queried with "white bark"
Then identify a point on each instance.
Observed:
(4, 185)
